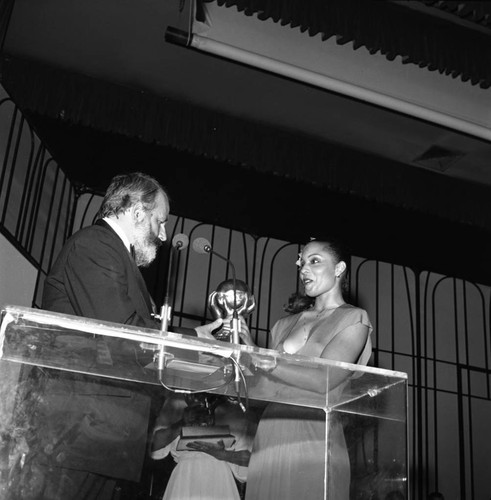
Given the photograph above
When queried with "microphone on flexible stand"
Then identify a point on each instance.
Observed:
(203, 246)
(179, 242)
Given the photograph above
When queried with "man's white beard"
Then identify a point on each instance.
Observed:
(145, 244)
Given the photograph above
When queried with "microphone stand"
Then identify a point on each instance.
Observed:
(166, 311)
(235, 317)
(201, 245)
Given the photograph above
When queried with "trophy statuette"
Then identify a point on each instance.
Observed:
(222, 303)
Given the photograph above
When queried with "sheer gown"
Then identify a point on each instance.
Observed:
(288, 456)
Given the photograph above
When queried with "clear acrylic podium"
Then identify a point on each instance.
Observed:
(65, 378)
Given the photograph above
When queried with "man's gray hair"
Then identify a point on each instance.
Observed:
(128, 189)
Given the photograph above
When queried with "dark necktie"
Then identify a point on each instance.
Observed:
(132, 251)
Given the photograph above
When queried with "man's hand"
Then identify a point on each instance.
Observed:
(205, 331)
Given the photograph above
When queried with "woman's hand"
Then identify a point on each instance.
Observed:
(245, 334)
(216, 450)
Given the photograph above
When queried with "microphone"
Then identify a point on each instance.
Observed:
(202, 245)
(180, 241)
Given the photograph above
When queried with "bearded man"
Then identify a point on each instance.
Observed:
(96, 274)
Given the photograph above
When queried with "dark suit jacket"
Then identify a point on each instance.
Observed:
(96, 277)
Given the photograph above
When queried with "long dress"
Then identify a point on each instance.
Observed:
(199, 476)
(288, 456)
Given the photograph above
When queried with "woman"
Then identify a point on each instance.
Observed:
(288, 457)
(205, 470)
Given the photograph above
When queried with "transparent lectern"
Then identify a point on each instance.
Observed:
(80, 397)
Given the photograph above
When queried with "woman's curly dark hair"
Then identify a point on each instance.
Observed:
(298, 302)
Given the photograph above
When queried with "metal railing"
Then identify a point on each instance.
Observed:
(36, 198)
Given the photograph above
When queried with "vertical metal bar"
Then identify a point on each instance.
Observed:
(435, 402)
(246, 260)
(12, 168)
(37, 201)
(57, 223)
(208, 277)
(260, 279)
(270, 287)
(253, 287)
(70, 213)
(377, 302)
(377, 336)
(460, 412)
(5, 163)
(24, 203)
(33, 190)
(392, 319)
(469, 391)
(50, 211)
(414, 333)
(229, 250)
(418, 384)
(459, 397)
